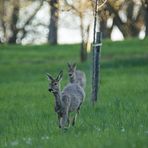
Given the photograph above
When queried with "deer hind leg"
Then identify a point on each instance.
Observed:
(59, 118)
(77, 113)
(74, 119)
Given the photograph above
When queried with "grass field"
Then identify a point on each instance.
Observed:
(119, 120)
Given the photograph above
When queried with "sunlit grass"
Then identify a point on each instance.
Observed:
(119, 119)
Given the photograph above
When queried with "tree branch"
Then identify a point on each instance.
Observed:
(24, 32)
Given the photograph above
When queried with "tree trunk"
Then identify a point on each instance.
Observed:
(106, 32)
(83, 51)
(131, 23)
(146, 18)
(117, 21)
(53, 26)
(2, 20)
(14, 19)
(103, 17)
(122, 27)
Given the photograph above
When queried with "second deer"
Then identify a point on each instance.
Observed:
(76, 76)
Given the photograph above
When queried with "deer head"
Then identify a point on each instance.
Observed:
(71, 69)
(54, 82)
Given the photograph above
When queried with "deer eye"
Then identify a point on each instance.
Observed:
(55, 83)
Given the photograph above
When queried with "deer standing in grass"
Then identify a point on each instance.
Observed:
(66, 101)
(76, 76)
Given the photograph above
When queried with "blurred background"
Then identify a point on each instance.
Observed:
(71, 21)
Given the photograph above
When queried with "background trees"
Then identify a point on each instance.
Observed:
(128, 16)
(82, 9)
(12, 24)
(18, 19)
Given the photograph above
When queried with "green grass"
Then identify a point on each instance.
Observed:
(119, 119)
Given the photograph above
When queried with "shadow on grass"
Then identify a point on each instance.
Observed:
(134, 61)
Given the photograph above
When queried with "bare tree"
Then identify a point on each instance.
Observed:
(9, 12)
(14, 20)
(79, 8)
(103, 18)
(132, 22)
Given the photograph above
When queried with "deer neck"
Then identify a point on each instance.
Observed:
(57, 96)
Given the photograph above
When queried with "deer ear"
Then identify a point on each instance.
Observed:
(68, 65)
(74, 65)
(60, 75)
(49, 76)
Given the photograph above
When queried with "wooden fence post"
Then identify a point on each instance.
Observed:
(96, 67)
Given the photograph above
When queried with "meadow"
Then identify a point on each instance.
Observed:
(119, 119)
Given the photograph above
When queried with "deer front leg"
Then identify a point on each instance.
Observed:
(65, 111)
(64, 122)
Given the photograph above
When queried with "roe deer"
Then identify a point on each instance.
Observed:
(76, 76)
(66, 101)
